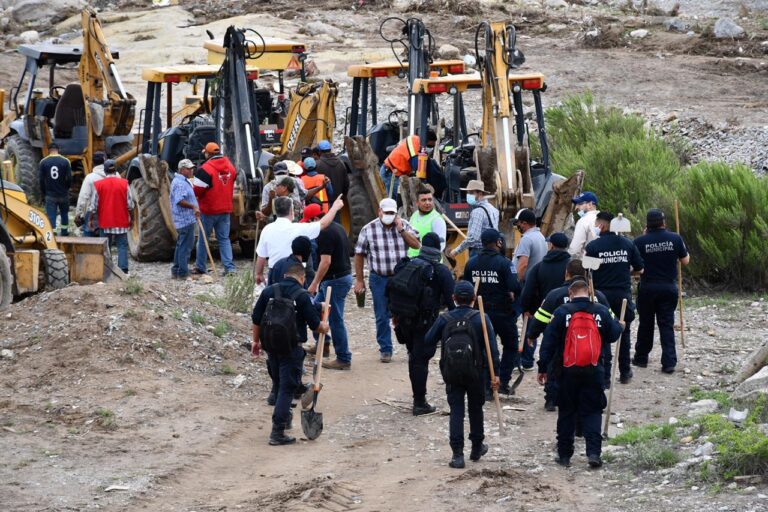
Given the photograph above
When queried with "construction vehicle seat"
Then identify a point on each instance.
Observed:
(74, 145)
(45, 107)
(70, 111)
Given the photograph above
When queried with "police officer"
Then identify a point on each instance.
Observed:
(498, 288)
(581, 393)
(619, 257)
(543, 316)
(657, 293)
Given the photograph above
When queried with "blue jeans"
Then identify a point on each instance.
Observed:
(184, 243)
(84, 228)
(378, 286)
(220, 225)
(386, 177)
(339, 289)
(121, 241)
(54, 205)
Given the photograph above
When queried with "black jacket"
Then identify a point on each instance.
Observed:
(333, 167)
(496, 279)
(543, 277)
(435, 334)
(55, 176)
(306, 313)
(554, 299)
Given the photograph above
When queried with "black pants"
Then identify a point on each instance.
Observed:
(475, 400)
(505, 326)
(287, 369)
(412, 336)
(656, 301)
(551, 387)
(581, 397)
(615, 298)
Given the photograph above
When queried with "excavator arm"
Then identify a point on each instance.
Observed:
(311, 117)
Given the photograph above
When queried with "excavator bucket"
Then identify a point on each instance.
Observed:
(558, 215)
(89, 259)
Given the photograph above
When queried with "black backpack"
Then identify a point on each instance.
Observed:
(279, 334)
(461, 356)
(409, 292)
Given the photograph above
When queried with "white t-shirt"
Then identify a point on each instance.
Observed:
(584, 232)
(276, 238)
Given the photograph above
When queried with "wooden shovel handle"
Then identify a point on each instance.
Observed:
(320, 347)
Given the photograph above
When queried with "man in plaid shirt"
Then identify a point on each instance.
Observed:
(383, 242)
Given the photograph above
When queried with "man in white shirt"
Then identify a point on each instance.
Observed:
(276, 238)
(585, 231)
(82, 217)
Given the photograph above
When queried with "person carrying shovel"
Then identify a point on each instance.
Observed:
(280, 319)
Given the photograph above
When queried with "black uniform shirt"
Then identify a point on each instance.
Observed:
(496, 278)
(617, 254)
(55, 176)
(660, 250)
(306, 312)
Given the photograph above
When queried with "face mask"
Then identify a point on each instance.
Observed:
(388, 219)
(581, 213)
(471, 199)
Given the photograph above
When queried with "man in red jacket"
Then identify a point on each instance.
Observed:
(113, 207)
(214, 184)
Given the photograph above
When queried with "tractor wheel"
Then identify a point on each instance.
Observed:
(55, 268)
(119, 150)
(6, 279)
(26, 161)
(361, 209)
(149, 239)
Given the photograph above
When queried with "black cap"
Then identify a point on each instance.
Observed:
(489, 236)
(654, 218)
(99, 157)
(605, 216)
(301, 246)
(280, 167)
(558, 240)
(305, 152)
(431, 240)
(526, 215)
(109, 165)
(464, 290)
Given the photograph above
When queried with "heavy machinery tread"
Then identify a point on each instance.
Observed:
(56, 269)
(361, 209)
(6, 279)
(154, 242)
(28, 159)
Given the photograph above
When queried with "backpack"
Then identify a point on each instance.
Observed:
(408, 292)
(583, 344)
(461, 356)
(279, 334)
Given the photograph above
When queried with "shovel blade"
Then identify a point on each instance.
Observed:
(621, 224)
(312, 424)
(517, 382)
(309, 397)
(591, 263)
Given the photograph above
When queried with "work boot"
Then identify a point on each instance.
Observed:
(668, 369)
(640, 363)
(457, 461)
(312, 350)
(422, 407)
(504, 389)
(289, 425)
(626, 377)
(478, 450)
(272, 398)
(594, 461)
(278, 437)
(386, 357)
(564, 461)
(337, 365)
(550, 406)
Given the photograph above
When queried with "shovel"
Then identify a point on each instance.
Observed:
(621, 224)
(490, 364)
(521, 373)
(312, 421)
(613, 374)
(207, 247)
(591, 263)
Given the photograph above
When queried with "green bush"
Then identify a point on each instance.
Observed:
(724, 220)
(238, 292)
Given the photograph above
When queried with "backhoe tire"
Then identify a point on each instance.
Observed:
(6, 280)
(361, 210)
(119, 150)
(26, 161)
(55, 268)
(149, 239)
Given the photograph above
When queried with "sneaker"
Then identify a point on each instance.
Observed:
(527, 368)
(668, 369)
(424, 408)
(279, 439)
(478, 450)
(595, 461)
(312, 350)
(639, 362)
(457, 461)
(624, 379)
(550, 406)
(564, 461)
(386, 357)
(197, 272)
(337, 365)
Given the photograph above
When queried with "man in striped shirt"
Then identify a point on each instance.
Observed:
(383, 242)
(484, 216)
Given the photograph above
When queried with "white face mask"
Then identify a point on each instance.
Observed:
(388, 218)
(581, 213)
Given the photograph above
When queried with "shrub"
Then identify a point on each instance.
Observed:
(651, 455)
(133, 286)
(238, 292)
(724, 220)
(722, 398)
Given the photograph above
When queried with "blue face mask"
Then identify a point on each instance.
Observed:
(471, 199)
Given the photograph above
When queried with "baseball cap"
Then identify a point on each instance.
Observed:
(109, 164)
(431, 240)
(99, 157)
(280, 168)
(489, 236)
(605, 216)
(311, 211)
(526, 215)
(324, 145)
(464, 290)
(301, 246)
(654, 217)
(186, 164)
(305, 152)
(212, 147)
(559, 240)
(585, 197)
(309, 163)
(388, 205)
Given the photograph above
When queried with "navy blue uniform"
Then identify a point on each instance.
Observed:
(286, 370)
(411, 334)
(497, 282)
(475, 394)
(55, 178)
(581, 390)
(541, 319)
(618, 257)
(279, 269)
(657, 293)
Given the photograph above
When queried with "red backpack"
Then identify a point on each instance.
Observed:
(582, 341)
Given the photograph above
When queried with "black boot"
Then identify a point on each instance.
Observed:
(457, 461)
(272, 398)
(278, 437)
(420, 406)
(478, 450)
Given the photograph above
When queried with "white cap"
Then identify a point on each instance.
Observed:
(186, 164)
(388, 204)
